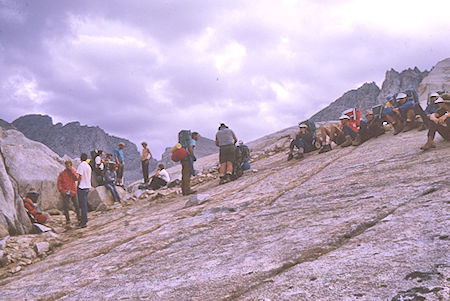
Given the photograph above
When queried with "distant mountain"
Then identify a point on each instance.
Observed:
(204, 147)
(369, 94)
(73, 139)
(405, 80)
(362, 98)
(6, 125)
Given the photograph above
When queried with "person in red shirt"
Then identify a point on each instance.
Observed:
(68, 188)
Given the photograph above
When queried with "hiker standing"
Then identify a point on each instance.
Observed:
(145, 161)
(68, 188)
(120, 161)
(84, 184)
(225, 140)
(187, 165)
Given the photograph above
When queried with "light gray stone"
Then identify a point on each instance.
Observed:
(41, 248)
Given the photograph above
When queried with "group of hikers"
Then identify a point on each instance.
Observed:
(402, 110)
(233, 159)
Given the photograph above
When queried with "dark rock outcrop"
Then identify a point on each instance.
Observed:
(73, 139)
(363, 98)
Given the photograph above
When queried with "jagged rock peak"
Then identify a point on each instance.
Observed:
(363, 98)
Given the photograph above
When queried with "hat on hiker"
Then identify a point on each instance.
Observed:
(389, 97)
(121, 143)
(401, 95)
(434, 94)
(344, 117)
(441, 100)
(302, 125)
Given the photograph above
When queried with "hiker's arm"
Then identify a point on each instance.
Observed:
(79, 180)
(434, 118)
(191, 151)
(217, 142)
(235, 139)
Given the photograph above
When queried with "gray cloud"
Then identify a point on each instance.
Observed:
(144, 70)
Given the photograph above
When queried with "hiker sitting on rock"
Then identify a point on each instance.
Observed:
(430, 109)
(371, 128)
(304, 142)
(245, 155)
(225, 140)
(160, 178)
(437, 122)
(30, 204)
(110, 179)
(344, 135)
(67, 186)
(403, 117)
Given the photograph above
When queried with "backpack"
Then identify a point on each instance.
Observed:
(184, 138)
(179, 154)
(355, 113)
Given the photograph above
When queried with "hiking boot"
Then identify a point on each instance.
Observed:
(348, 142)
(82, 225)
(398, 128)
(222, 180)
(357, 141)
(290, 157)
(430, 144)
(409, 126)
(191, 192)
(325, 148)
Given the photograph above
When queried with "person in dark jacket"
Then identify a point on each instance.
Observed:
(110, 179)
(371, 128)
(304, 142)
(67, 186)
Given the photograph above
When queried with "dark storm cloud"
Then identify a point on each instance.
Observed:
(145, 69)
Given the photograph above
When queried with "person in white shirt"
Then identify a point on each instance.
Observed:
(160, 178)
(84, 184)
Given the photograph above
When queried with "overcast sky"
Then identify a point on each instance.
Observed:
(145, 69)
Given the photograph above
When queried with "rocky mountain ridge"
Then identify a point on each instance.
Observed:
(72, 139)
(369, 94)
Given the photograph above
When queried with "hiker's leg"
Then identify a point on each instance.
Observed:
(229, 167)
(324, 133)
(185, 176)
(76, 207)
(82, 200)
(444, 131)
(65, 199)
(222, 169)
(145, 164)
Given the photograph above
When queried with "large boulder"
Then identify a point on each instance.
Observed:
(438, 79)
(13, 218)
(100, 198)
(32, 164)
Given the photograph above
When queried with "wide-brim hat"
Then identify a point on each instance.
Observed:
(344, 117)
